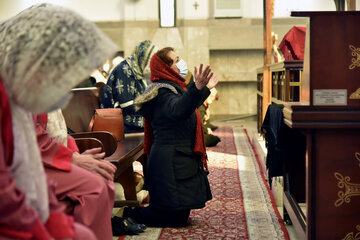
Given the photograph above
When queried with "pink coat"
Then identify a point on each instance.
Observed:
(17, 219)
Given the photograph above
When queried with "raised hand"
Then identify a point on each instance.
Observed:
(92, 160)
(202, 77)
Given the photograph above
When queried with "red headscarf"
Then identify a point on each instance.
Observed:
(161, 71)
(6, 125)
(292, 45)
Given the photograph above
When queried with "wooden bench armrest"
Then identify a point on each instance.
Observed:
(107, 139)
(87, 143)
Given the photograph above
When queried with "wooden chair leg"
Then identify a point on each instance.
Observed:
(126, 179)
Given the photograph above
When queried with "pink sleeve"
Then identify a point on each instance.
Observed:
(53, 153)
(59, 225)
(17, 220)
(71, 144)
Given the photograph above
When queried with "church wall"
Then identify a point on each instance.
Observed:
(147, 10)
(233, 46)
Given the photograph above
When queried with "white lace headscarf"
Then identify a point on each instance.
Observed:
(44, 52)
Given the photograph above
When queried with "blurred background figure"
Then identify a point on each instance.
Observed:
(278, 57)
(210, 138)
(204, 110)
(127, 81)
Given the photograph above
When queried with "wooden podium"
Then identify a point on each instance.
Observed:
(329, 117)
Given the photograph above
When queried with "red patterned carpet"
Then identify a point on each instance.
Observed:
(233, 213)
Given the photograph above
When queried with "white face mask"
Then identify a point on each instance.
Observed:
(181, 65)
(62, 103)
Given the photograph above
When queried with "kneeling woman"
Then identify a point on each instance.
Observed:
(176, 174)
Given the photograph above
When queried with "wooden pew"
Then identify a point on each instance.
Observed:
(78, 114)
(80, 109)
(106, 139)
(129, 149)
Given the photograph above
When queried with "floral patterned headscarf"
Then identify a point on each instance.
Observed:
(139, 59)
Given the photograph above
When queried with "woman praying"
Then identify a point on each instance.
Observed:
(176, 174)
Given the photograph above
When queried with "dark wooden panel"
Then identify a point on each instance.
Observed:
(296, 215)
(333, 159)
(332, 132)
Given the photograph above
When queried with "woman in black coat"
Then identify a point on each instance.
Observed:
(176, 174)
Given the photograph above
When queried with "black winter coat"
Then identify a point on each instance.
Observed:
(175, 176)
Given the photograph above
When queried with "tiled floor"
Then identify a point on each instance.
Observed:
(250, 123)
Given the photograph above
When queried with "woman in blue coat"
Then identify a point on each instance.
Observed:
(127, 81)
(176, 174)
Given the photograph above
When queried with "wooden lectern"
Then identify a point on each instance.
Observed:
(329, 117)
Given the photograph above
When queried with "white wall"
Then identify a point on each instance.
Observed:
(140, 9)
(283, 8)
(252, 9)
(118, 10)
(186, 9)
(95, 10)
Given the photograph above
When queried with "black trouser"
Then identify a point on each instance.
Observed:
(153, 217)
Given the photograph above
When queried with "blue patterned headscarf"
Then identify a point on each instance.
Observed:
(127, 81)
(139, 59)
